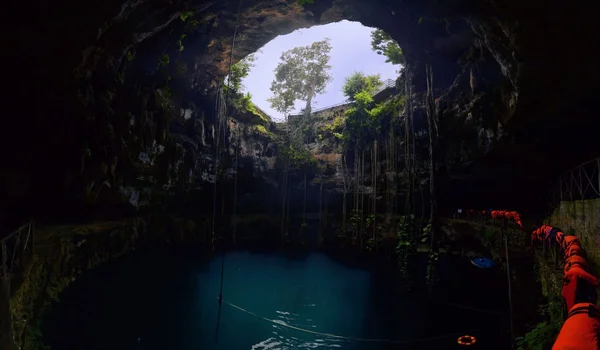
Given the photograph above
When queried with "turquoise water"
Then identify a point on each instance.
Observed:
(162, 301)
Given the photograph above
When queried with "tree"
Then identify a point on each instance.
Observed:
(238, 72)
(358, 82)
(359, 123)
(383, 44)
(302, 74)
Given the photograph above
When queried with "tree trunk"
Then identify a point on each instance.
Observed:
(308, 108)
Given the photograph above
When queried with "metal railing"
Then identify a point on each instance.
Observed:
(344, 103)
(386, 84)
(13, 247)
(581, 182)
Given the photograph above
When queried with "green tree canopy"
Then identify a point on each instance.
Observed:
(359, 124)
(383, 44)
(238, 72)
(302, 74)
(358, 82)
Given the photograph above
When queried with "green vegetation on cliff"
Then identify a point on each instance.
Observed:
(61, 254)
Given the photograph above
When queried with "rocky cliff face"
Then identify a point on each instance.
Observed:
(116, 101)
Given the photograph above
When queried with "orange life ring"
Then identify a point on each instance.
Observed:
(466, 340)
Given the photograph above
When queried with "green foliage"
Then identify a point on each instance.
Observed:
(387, 108)
(239, 71)
(543, 334)
(180, 42)
(262, 130)
(233, 84)
(432, 263)
(359, 127)
(420, 20)
(302, 2)
(185, 15)
(119, 78)
(406, 248)
(383, 44)
(164, 60)
(333, 129)
(356, 217)
(358, 82)
(299, 157)
(537, 338)
(181, 68)
(243, 103)
(130, 56)
(302, 74)
(426, 233)
(164, 98)
(364, 119)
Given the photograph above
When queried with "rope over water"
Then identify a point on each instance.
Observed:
(372, 340)
(237, 21)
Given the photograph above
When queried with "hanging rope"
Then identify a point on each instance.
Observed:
(373, 340)
(237, 21)
(512, 334)
(235, 178)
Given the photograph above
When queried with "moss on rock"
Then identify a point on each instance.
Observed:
(61, 254)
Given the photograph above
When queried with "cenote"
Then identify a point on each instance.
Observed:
(159, 300)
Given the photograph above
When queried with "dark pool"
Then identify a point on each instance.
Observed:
(275, 301)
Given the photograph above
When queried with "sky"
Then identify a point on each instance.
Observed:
(351, 52)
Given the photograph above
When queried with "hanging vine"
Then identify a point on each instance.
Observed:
(432, 125)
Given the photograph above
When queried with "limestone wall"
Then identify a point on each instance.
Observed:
(583, 217)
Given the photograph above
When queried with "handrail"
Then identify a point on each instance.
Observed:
(581, 182)
(581, 165)
(332, 106)
(386, 84)
(17, 231)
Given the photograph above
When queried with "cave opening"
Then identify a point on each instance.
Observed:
(119, 128)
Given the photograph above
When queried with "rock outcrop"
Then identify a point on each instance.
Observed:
(115, 107)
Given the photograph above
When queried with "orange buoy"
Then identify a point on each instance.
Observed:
(466, 340)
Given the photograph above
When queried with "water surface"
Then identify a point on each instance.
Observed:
(273, 301)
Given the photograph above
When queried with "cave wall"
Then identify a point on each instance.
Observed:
(583, 218)
(108, 133)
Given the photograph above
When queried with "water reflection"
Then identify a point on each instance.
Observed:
(287, 304)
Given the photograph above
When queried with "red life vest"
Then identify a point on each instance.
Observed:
(579, 286)
(581, 330)
(567, 241)
(575, 260)
(574, 249)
